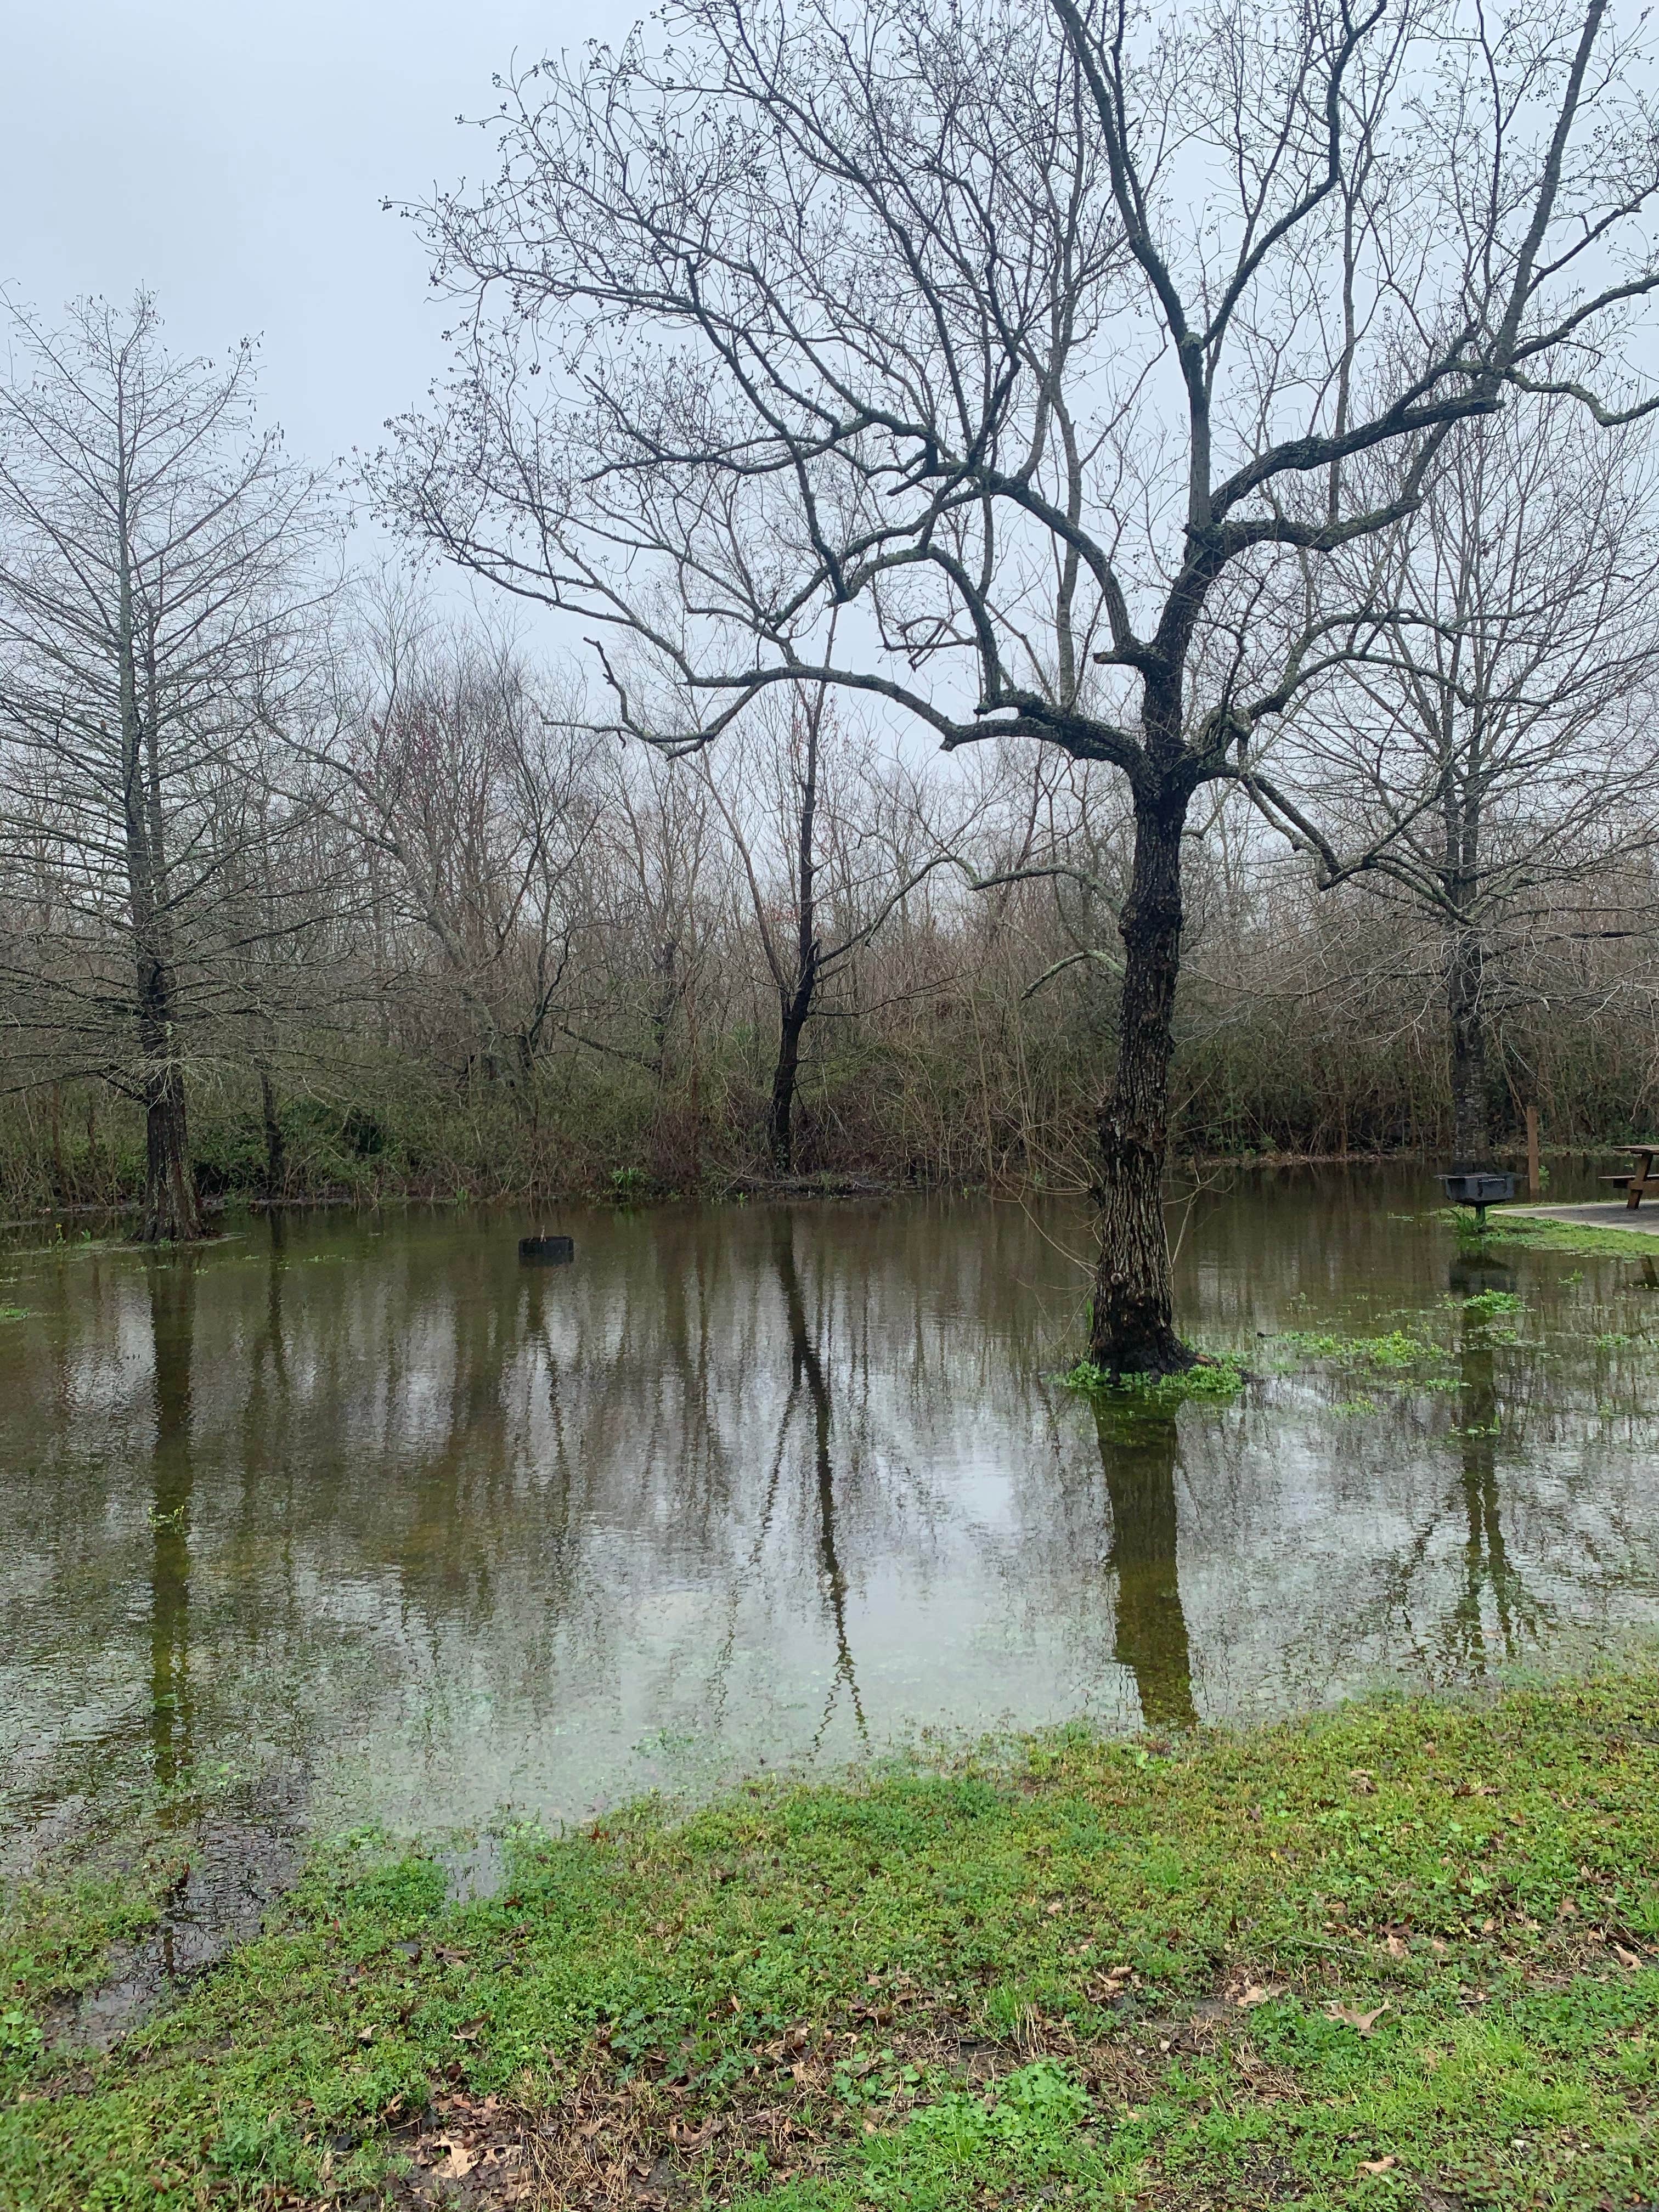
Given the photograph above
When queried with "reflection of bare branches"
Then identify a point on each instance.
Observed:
(1485, 1557)
(1459, 1642)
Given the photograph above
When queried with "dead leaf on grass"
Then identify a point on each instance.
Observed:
(1397, 1946)
(1378, 2165)
(1257, 1993)
(689, 2140)
(1629, 1959)
(1363, 2023)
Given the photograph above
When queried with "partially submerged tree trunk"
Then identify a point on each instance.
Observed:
(154, 612)
(1132, 1327)
(173, 1207)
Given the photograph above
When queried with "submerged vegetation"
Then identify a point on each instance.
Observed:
(1215, 1376)
(1402, 1954)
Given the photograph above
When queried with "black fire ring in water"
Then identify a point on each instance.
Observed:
(548, 1251)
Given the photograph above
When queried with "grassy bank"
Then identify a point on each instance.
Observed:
(1404, 1955)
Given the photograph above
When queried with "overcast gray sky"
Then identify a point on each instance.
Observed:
(234, 158)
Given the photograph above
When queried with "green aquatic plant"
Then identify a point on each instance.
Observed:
(1486, 1305)
(1215, 1377)
(1397, 1349)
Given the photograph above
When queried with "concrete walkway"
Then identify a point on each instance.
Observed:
(1614, 1213)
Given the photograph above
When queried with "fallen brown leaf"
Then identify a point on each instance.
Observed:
(691, 2140)
(1378, 2165)
(1396, 1947)
(1362, 2022)
(1257, 1993)
(458, 2161)
(1626, 1959)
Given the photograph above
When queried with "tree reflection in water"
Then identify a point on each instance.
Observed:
(805, 1367)
(1138, 1450)
(173, 1329)
(1486, 1568)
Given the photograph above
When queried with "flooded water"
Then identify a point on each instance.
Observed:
(370, 1516)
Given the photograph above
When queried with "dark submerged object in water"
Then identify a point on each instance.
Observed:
(548, 1251)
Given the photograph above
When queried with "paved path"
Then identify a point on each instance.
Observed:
(1614, 1214)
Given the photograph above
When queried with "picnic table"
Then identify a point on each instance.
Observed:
(1641, 1178)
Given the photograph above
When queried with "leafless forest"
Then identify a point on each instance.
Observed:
(1050, 588)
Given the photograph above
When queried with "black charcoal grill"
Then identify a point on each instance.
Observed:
(1478, 1188)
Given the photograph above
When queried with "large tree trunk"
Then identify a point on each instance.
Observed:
(1466, 1019)
(172, 1208)
(1132, 1328)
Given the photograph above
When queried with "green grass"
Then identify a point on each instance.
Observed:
(1541, 1235)
(1403, 1954)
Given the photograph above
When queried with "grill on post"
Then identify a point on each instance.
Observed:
(1478, 1188)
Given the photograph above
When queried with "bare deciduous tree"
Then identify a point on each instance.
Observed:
(1033, 343)
(830, 841)
(1493, 745)
(154, 607)
(449, 761)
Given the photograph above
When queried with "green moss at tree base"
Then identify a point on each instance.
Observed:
(1406, 1954)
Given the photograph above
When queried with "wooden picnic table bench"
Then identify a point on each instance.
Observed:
(1641, 1178)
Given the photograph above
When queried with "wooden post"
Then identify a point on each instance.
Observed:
(1533, 1179)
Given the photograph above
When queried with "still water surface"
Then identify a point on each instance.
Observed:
(366, 1503)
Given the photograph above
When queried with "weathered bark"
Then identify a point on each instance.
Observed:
(781, 1109)
(795, 999)
(173, 1207)
(1131, 1329)
(1466, 1019)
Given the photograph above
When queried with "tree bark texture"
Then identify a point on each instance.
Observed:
(1131, 1329)
(172, 1208)
(1466, 1019)
(781, 1109)
(795, 1001)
